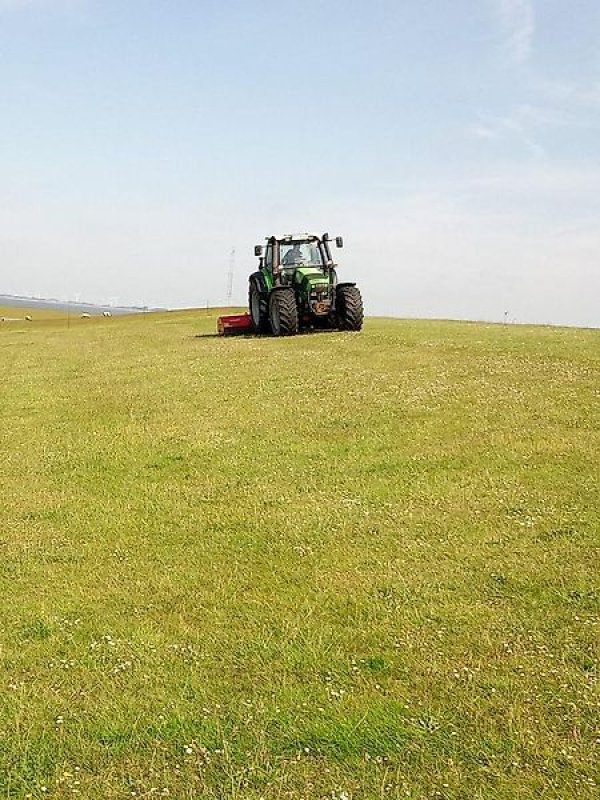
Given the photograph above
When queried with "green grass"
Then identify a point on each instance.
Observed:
(333, 566)
(14, 318)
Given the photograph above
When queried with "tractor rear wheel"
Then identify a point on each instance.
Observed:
(283, 312)
(258, 309)
(349, 308)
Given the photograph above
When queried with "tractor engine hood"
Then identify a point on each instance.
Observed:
(313, 276)
(314, 288)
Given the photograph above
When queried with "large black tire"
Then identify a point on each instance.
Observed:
(259, 310)
(283, 312)
(349, 308)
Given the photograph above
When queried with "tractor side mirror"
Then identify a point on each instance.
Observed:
(339, 241)
(258, 250)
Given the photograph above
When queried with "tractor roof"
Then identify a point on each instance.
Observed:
(294, 237)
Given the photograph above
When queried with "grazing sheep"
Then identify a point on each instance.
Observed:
(85, 316)
(106, 314)
(28, 318)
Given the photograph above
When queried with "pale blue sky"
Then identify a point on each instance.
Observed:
(455, 145)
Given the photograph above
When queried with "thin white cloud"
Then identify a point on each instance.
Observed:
(576, 98)
(517, 20)
(548, 182)
(517, 126)
(483, 131)
(556, 107)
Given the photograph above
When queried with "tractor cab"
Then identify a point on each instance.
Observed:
(284, 254)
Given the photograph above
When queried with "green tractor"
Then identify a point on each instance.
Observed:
(296, 287)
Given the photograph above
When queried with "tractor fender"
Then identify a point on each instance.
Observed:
(346, 283)
(281, 288)
(259, 281)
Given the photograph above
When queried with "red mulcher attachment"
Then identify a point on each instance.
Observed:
(234, 324)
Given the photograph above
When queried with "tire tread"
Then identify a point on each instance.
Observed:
(288, 311)
(264, 325)
(350, 309)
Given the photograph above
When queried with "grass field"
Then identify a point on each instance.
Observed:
(16, 315)
(336, 566)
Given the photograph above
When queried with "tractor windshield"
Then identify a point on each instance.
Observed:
(300, 254)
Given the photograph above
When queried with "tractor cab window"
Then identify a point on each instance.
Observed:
(300, 254)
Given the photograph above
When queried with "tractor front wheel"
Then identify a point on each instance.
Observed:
(283, 312)
(349, 308)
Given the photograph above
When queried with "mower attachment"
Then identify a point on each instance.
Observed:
(234, 324)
